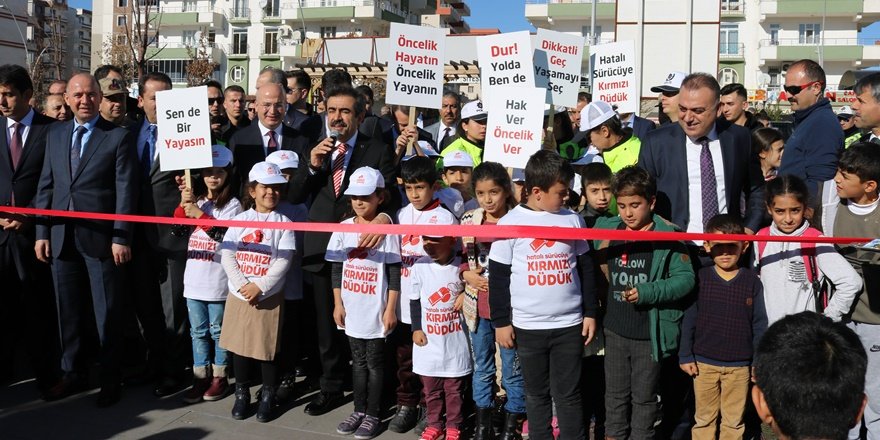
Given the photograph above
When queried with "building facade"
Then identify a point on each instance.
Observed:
(747, 41)
(244, 36)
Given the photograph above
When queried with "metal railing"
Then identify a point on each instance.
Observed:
(817, 41)
(731, 50)
(547, 2)
(239, 13)
(332, 3)
(733, 8)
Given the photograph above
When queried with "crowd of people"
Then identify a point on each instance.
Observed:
(612, 337)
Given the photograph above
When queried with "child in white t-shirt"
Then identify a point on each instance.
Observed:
(419, 176)
(293, 330)
(256, 261)
(441, 355)
(544, 292)
(366, 284)
(204, 281)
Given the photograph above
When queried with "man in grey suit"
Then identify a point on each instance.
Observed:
(446, 129)
(89, 166)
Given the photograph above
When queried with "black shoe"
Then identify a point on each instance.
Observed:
(512, 427)
(483, 429)
(323, 403)
(287, 390)
(168, 386)
(423, 420)
(267, 402)
(301, 371)
(108, 396)
(69, 385)
(242, 401)
(404, 420)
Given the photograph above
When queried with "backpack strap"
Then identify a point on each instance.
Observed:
(762, 244)
(808, 252)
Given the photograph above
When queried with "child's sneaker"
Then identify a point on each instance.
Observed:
(370, 427)
(453, 434)
(432, 433)
(351, 424)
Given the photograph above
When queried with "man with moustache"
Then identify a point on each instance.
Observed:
(55, 108)
(113, 106)
(811, 150)
(866, 107)
(323, 180)
(444, 131)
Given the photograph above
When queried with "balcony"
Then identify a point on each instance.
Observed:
(176, 50)
(731, 51)
(833, 49)
(290, 49)
(238, 15)
(181, 15)
(812, 8)
(569, 9)
(733, 10)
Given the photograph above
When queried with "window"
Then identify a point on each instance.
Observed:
(236, 74)
(272, 8)
(175, 69)
(211, 36)
(240, 9)
(328, 31)
(121, 20)
(728, 40)
(189, 6)
(731, 5)
(121, 40)
(585, 32)
(809, 33)
(270, 41)
(727, 76)
(121, 3)
(239, 42)
(774, 34)
(189, 38)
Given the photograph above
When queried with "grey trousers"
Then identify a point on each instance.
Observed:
(631, 381)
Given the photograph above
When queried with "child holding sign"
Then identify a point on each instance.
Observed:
(204, 281)
(441, 355)
(366, 284)
(256, 261)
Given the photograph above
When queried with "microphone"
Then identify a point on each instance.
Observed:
(334, 135)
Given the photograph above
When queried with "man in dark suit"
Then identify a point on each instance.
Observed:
(89, 166)
(329, 161)
(236, 119)
(28, 311)
(160, 256)
(446, 129)
(640, 126)
(253, 143)
(677, 156)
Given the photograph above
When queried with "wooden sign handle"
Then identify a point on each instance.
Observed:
(187, 178)
(412, 123)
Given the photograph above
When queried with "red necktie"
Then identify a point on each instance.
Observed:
(15, 146)
(272, 146)
(338, 171)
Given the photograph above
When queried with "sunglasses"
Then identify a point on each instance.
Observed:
(794, 90)
(251, 109)
(212, 101)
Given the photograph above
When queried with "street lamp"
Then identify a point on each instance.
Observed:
(18, 28)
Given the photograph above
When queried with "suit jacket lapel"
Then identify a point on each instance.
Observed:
(5, 158)
(89, 148)
(680, 156)
(728, 158)
(37, 130)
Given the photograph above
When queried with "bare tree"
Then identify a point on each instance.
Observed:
(130, 49)
(200, 67)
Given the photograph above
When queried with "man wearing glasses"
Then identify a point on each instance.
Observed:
(215, 108)
(811, 151)
(298, 114)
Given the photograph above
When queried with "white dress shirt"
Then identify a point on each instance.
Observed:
(265, 136)
(25, 122)
(695, 186)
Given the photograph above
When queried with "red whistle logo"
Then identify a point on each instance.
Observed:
(253, 237)
(539, 243)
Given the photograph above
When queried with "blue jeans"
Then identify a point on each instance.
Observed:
(205, 320)
(483, 343)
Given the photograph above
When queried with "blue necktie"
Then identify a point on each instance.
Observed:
(147, 153)
(76, 150)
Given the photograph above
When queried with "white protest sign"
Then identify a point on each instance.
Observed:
(505, 60)
(184, 136)
(614, 75)
(516, 121)
(557, 61)
(415, 66)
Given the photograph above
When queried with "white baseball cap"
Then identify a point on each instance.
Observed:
(364, 181)
(672, 82)
(451, 199)
(221, 157)
(596, 113)
(458, 158)
(284, 159)
(845, 111)
(438, 217)
(474, 110)
(266, 173)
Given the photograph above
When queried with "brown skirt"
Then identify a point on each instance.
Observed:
(253, 331)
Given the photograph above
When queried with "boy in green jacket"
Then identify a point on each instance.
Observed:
(647, 281)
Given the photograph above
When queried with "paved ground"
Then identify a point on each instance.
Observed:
(139, 415)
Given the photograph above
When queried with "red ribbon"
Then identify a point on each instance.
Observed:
(546, 232)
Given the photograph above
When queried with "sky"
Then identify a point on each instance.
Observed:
(509, 17)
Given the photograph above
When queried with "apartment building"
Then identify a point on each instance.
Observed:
(243, 36)
(747, 41)
(14, 22)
